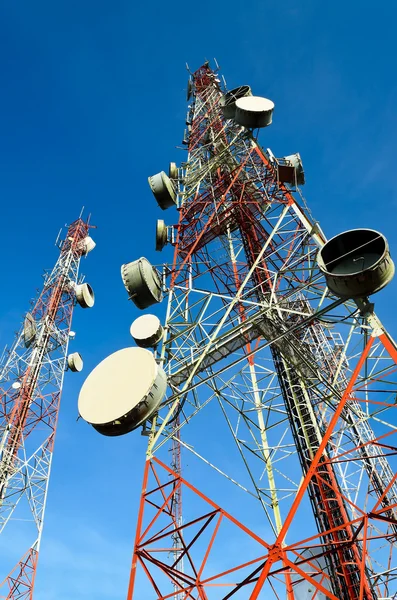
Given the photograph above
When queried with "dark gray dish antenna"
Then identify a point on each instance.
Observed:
(356, 263)
(142, 282)
(87, 245)
(228, 101)
(29, 330)
(163, 190)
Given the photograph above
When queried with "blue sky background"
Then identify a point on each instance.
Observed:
(92, 102)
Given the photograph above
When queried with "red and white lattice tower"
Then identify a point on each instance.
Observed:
(31, 380)
(281, 381)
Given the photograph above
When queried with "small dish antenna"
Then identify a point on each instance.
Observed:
(163, 190)
(29, 330)
(161, 234)
(75, 362)
(147, 331)
(142, 282)
(85, 295)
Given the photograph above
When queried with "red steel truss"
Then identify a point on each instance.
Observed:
(157, 525)
(31, 380)
(280, 387)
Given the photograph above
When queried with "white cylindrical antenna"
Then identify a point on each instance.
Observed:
(75, 362)
(147, 331)
(163, 190)
(87, 245)
(254, 112)
(85, 295)
(142, 282)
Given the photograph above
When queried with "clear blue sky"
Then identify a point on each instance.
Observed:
(92, 101)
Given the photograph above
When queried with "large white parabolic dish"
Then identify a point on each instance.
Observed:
(124, 390)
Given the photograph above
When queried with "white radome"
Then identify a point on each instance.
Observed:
(117, 385)
(255, 104)
(144, 326)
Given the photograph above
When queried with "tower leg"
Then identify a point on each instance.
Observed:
(20, 581)
(202, 538)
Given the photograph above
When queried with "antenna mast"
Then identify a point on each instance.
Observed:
(282, 377)
(31, 381)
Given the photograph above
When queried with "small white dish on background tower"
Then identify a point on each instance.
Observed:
(87, 245)
(85, 295)
(29, 330)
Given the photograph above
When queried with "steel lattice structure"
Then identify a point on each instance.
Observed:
(285, 390)
(31, 380)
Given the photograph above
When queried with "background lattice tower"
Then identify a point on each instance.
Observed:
(281, 376)
(31, 380)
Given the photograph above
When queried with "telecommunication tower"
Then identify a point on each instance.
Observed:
(271, 371)
(31, 380)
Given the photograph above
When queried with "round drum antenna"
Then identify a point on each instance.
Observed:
(254, 111)
(142, 282)
(163, 190)
(147, 331)
(356, 263)
(85, 295)
(228, 101)
(75, 362)
(161, 234)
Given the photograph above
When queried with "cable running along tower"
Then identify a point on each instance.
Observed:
(31, 379)
(271, 372)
